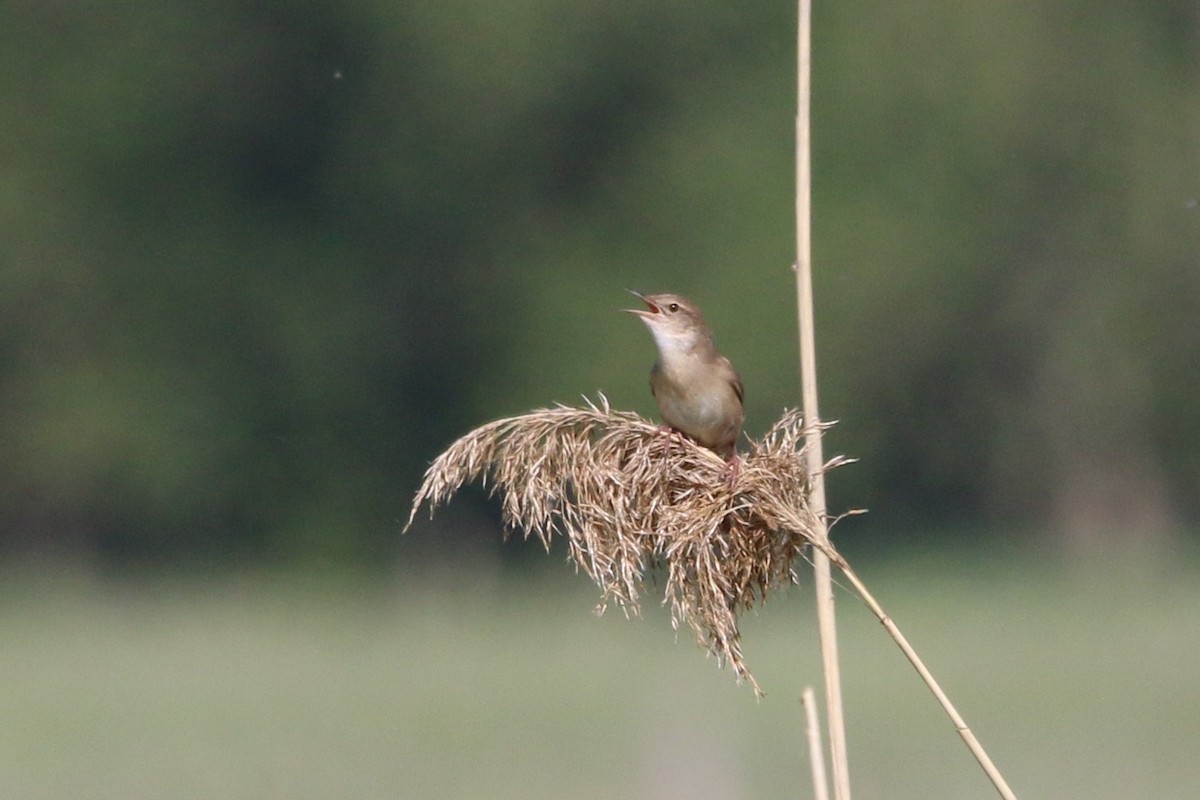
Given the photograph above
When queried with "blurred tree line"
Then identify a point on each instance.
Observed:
(259, 262)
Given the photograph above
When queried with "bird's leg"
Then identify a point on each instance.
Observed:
(732, 468)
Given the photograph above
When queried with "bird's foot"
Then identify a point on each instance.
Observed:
(671, 434)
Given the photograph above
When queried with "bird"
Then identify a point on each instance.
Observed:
(697, 390)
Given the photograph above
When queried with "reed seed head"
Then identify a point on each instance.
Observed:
(631, 498)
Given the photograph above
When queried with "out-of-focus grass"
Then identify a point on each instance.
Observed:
(469, 687)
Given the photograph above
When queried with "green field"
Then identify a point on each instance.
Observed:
(1081, 684)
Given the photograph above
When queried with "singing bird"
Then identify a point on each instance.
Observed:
(697, 390)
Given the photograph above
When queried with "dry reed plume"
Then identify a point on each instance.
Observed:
(630, 497)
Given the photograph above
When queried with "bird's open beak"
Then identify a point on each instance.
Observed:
(653, 309)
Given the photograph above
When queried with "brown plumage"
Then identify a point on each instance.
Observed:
(697, 390)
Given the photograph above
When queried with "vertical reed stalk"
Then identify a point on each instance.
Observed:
(816, 758)
(826, 619)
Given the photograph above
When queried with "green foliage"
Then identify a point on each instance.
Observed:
(261, 263)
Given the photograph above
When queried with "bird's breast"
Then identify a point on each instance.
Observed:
(699, 399)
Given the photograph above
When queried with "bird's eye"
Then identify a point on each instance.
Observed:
(673, 307)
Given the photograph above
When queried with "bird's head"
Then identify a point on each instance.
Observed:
(675, 322)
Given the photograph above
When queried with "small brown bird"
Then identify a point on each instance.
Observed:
(698, 391)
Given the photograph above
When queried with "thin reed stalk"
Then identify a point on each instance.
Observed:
(824, 550)
(960, 724)
(812, 732)
(826, 616)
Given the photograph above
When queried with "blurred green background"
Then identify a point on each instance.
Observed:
(260, 263)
